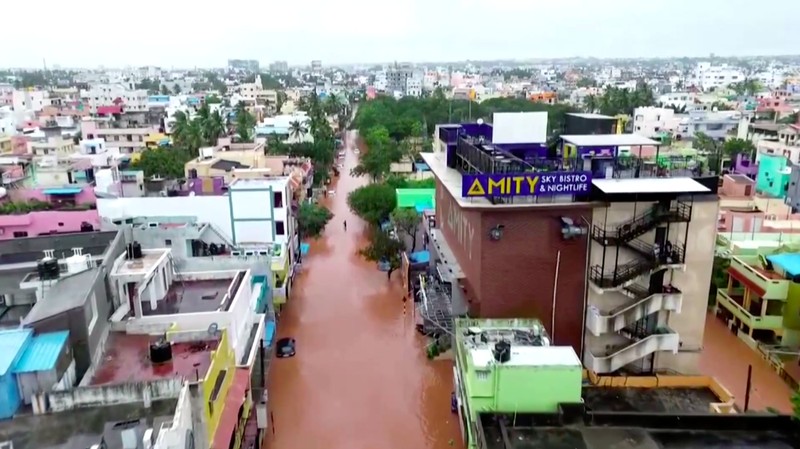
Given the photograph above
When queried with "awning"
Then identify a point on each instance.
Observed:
(650, 185)
(62, 191)
(230, 412)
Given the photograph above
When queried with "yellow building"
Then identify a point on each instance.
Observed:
(6, 146)
(155, 140)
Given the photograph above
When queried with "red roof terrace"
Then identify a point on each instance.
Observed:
(127, 360)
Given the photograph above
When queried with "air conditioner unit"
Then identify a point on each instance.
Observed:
(236, 253)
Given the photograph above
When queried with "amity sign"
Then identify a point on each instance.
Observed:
(526, 184)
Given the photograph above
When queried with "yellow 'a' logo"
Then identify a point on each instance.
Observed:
(476, 189)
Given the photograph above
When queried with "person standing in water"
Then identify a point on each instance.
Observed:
(345, 225)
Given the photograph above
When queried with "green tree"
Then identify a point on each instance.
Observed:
(281, 100)
(213, 99)
(796, 405)
(732, 147)
(187, 134)
(384, 248)
(372, 202)
(245, 123)
(176, 89)
(166, 163)
(165, 90)
(297, 130)
(407, 221)
(586, 82)
(381, 152)
(312, 219)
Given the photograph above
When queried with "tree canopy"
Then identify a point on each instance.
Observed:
(312, 219)
(167, 163)
(407, 220)
(373, 202)
(616, 100)
(418, 117)
(384, 248)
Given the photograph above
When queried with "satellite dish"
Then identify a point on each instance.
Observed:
(213, 329)
(480, 121)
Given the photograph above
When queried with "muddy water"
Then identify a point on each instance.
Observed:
(360, 379)
(726, 358)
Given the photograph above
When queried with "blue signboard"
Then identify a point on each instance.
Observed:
(526, 184)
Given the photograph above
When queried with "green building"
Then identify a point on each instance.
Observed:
(508, 366)
(773, 175)
(421, 199)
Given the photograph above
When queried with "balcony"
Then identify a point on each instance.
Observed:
(648, 263)
(664, 339)
(771, 322)
(765, 283)
(635, 302)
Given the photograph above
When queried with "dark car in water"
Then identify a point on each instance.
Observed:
(286, 347)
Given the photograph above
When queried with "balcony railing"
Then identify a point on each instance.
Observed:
(664, 339)
(770, 322)
(775, 288)
(629, 271)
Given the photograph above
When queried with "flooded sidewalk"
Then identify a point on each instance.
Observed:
(360, 379)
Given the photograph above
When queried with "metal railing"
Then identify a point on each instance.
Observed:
(629, 271)
(681, 212)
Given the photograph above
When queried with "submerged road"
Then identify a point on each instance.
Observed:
(726, 357)
(360, 379)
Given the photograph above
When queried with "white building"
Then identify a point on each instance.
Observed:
(414, 87)
(651, 121)
(30, 100)
(707, 76)
(131, 99)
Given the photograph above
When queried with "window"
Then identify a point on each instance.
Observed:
(277, 198)
(482, 374)
(279, 228)
(91, 312)
(60, 223)
(20, 234)
(168, 242)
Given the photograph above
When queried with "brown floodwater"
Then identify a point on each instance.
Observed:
(360, 379)
(726, 357)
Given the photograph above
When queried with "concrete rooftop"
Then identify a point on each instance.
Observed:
(127, 359)
(633, 438)
(191, 297)
(649, 400)
(80, 428)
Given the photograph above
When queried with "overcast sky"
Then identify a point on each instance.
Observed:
(180, 33)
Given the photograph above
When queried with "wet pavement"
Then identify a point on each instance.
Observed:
(360, 379)
(726, 358)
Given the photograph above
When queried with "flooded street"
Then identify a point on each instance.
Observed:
(726, 357)
(360, 379)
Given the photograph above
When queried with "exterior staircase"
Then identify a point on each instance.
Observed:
(639, 346)
(643, 223)
(626, 273)
(638, 303)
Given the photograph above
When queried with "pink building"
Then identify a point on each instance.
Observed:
(742, 211)
(71, 209)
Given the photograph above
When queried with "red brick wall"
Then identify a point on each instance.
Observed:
(514, 277)
(519, 270)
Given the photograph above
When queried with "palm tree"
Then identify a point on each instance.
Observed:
(297, 130)
(180, 128)
(591, 103)
(214, 127)
(332, 104)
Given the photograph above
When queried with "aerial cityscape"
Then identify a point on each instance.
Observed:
(572, 248)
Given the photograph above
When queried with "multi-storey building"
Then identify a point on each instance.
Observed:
(124, 95)
(247, 65)
(397, 77)
(30, 100)
(127, 139)
(598, 205)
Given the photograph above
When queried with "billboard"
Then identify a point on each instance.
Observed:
(526, 184)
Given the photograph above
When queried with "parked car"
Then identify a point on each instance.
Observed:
(286, 347)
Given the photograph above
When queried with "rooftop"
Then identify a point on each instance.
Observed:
(150, 259)
(529, 356)
(42, 352)
(127, 359)
(11, 343)
(622, 437)
(192, 297)
(258, 184)
(30, 249)
(590, 116)
(608, 140)
(77, 429)
(649, 400)
(786, 262)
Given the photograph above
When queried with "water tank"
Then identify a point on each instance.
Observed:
(48, 269)
(160, 352)
(502, 351)
(136, 250)
(77, 263)
(86, 227)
